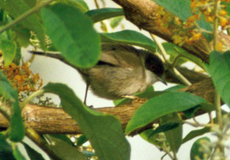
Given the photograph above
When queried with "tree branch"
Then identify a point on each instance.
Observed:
(54, 120)
(142, 14)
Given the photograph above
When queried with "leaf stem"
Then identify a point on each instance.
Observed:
(173, 70)
(33, 95)
(217, 96)
(25, 15)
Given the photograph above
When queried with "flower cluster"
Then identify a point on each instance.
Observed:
(22, 78)
(189, 31)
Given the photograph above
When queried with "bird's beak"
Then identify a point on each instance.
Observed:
(163, 81)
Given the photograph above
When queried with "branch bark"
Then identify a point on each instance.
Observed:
(54, 120)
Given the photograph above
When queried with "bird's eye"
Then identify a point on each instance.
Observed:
(153, 68)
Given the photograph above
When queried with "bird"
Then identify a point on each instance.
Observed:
(122, 71)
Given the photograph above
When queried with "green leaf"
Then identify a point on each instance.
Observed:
(173, 136)
(16, 129)
(5, 149)
(8, 48)
(103, 131)
(75, 37)
(196, 133)
(65, 151)
(180, 8)
(16, 8)
(160, 106)
(17, 154)
(219, 70)
(201, 149)
(104, 13)
(129, 37)
(116, 21)
(174, 50)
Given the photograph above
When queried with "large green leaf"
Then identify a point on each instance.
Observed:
(180, 8)
(73, 34)
(129, 37)
(104, 13)
(219, 70)
(201, 149)
(16, 129)
(160, 106)
(103, 131)
(16, 8)
(8, 48)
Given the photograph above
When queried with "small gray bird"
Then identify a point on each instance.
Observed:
(121, 71)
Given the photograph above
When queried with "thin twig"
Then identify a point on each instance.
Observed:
(35, 137)
(173, 70)
(25, 15)
(33, 95)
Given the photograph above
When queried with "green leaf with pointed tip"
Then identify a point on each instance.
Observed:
(129, 37)
(16, 8)
(16, 129)
(196, 133)
(104, 13)
(180, 8)
(201, 149)
(103, 131)
(17, 154)
(219, 70)
(8, 48)
(162, 105)
(174, 50)
(73, 34)
(32, 153)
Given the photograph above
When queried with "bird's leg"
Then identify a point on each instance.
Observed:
(86, 93)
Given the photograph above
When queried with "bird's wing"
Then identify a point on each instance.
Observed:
(119, 56)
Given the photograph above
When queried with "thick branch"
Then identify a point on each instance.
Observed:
(55, 120)
(141, 13)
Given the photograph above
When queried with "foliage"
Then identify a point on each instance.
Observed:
(67, 26)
